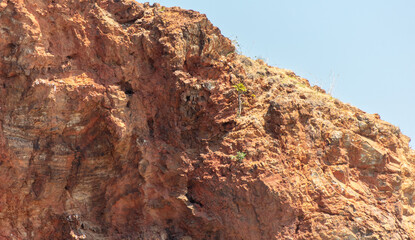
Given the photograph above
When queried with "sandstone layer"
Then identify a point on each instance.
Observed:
(118, 120)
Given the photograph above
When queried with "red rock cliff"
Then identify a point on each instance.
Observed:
(118, 121)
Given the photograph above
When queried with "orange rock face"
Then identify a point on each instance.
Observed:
(119, 120)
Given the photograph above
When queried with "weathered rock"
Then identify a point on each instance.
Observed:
(118, 121)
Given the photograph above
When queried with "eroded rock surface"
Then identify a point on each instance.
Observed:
(118, 121)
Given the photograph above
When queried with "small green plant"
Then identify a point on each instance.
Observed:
(239, 156)
(241, 89)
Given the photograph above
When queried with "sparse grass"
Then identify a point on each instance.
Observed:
(261, 60)
(236, 45)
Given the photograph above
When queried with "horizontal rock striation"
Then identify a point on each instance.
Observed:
(118, 120)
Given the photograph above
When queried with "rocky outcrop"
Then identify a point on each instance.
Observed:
(119, 120)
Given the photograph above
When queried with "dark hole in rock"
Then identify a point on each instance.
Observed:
(12, 48)
(150, 124)
(127, 88)
(192, 200)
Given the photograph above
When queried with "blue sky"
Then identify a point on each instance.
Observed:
(363, 52)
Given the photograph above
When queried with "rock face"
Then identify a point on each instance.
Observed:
(118, 121)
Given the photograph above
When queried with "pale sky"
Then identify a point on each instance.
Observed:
(363, 52)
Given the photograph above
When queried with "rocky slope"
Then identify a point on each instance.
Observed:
(118, 121)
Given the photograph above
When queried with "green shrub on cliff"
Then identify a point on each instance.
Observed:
(241, 89)
(239, 156)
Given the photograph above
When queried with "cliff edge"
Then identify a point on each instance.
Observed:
(119, 120)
